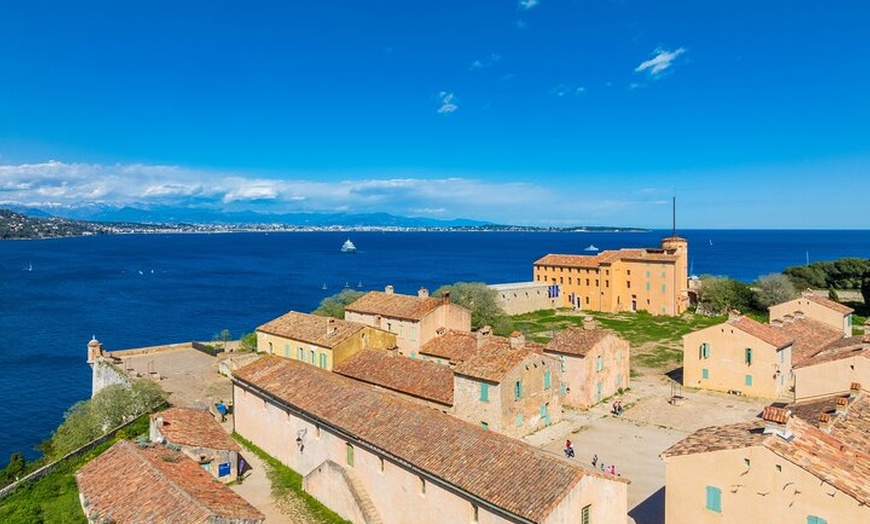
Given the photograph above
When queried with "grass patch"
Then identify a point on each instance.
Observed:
(656, 340)
(55, 497)
(288, 483)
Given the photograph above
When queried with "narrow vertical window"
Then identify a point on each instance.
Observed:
(547, 379)
(349, 453)
(484, 392)
(584, 514)
(563, 363)
(714, 499)
(747, 356)
(518, 389)
(747, 380)
(519, 420)
(705, 373)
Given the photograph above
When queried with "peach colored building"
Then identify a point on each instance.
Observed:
(509, 386)
(132, 484)
(320, 341)
(199, 436)
(524, 297)
(414, 319)
(817, 308)
(375, 457)
(807, 463)
(593, 364)
(740, 356)
(829, 370)
(653, 280)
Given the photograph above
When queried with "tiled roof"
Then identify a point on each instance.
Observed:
(506, 472)
(841, 349)
(394, 305)
(455, 346)
(496, 358)
(765, 332)
(839, 458)
(420, 378)
(775, 414)
(314, 329)
(810, 337)
(604, 258)
(830, 304)
(194, 427)
(128, 484)
(577, 341)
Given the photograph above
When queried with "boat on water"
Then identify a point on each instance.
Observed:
(348, 247)
(591, 248)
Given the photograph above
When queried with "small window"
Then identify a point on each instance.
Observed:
(518, 389)
(484, 425)
(747, 356)
(714, 499)
(628, 284)
(746, 462)
(484, 392)
(475, 516)
(664, 288)
(349, 452)
(381, 464)
(704, 350)
(563, 363)
(647, 286)
(705, 373)
(519, 421)
(547, 379)
(584, 514)
(747, 380)
(619, 380)
(812, 519)
(422, 486)
(779, 468)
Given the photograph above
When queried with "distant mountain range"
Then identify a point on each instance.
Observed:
(184, 215)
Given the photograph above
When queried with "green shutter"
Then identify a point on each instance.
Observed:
(705, 373)
(349, 451)
(748, 380)
(714, 499)
(518, 389)
(484, 392)
(547, 379)
(519, 420)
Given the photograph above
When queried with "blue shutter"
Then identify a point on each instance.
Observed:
(714, 499)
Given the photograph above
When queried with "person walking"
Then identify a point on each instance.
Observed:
(594, 460)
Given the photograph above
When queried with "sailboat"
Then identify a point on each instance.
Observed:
(348, 247)
(591, 248)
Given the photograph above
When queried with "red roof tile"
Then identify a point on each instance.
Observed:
(830, 304)
(419, 378)
(394, 305)
(129, 484)
(194, 427)
(325, 332)
(605, 258)
(455, 346)
(507, 473)
(496, 358)
(765, 332)
(577, 341)
(810, 337)
(839, 350)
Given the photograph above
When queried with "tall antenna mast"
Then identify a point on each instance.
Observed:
(674, 215)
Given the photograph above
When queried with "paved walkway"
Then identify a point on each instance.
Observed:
(257, 490)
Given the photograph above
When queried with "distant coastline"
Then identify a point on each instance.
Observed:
(17, 226)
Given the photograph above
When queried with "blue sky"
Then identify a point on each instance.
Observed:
(586, 112)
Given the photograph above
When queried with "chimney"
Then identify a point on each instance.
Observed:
(788, 318)
(734, 314)
(798, 315)
(842, 406)
(777, 322)
(826, 422)
(423, 293)
(808, 292)
(389, 289)
(588, 323)
(517, 340)
(485, 331)
(446, 298)
(159, 422)
(391, 351)
(330, 326)
(854, 391)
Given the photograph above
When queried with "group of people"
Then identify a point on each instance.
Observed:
(617, 408)
(607, 469)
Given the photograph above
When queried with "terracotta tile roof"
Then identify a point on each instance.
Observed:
(830, 304)
(508, 473)
(577, 341)
(810, 337)
(420, 378)
(604, 258)
(128, 484)
(394, 305)
(765, 332)
(312, 329)
(194, 427)
(775, 414)
(455, 346)
(495, 359)
(840, 458)
(841, 349)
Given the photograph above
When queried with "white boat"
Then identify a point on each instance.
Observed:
(591, 248)
(348, 247)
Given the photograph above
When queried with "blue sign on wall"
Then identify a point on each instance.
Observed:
(223, 469)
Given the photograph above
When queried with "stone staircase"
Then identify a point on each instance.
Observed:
(358, 490)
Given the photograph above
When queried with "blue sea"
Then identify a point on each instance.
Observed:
(141, 290)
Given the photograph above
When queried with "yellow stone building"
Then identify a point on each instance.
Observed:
(653, 279)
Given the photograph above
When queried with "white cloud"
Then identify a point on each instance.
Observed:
(489, 61)
(662, 60)
(563, 90)
(525, 5)
(447, 105)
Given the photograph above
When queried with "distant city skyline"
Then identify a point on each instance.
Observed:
(530, 112)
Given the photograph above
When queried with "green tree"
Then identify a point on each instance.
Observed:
(333, 306)
(718, 295)
(481, 300)
(15, 469)
(772, 289)
(111, 407)
(223, 337)
(865, 289)
(248, 342)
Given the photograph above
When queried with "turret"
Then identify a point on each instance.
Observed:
(95, 349)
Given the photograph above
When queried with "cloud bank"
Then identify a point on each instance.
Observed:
(661, 61)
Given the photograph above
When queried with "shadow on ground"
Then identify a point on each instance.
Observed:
(651, 510)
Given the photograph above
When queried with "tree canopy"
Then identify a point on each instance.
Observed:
(774, 288)
(718, 295)
(844, 273)
(333, 306)
(481, 300)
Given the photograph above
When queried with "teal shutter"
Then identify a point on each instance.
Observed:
(705, 373)
(484, 392)
(714, 499)
(547, 379)
(748, 380)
